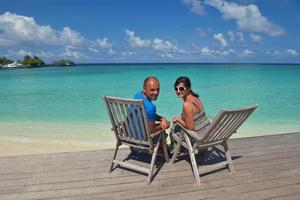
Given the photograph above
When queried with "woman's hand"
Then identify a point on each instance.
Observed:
(176, 119)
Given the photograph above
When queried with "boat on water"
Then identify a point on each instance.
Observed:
(12, 65)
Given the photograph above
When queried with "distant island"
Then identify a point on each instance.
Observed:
(32, 61)
(63, 63)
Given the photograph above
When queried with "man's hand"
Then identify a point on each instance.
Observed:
(164, 123)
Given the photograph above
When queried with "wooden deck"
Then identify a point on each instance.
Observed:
(266, 168)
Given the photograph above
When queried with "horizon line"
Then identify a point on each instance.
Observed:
(201, 63)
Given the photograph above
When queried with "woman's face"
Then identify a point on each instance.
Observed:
(181, 90)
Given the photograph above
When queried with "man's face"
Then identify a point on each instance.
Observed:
(151, 89)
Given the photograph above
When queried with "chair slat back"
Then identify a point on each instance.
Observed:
(226, 123)
(129, 120)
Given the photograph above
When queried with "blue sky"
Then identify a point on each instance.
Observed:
(119, 31)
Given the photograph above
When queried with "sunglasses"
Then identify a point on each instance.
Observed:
(179, 88)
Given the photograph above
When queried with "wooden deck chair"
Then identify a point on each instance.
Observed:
(217, 133)
(130, 125)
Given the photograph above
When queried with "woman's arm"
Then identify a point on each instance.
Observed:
(187, 121)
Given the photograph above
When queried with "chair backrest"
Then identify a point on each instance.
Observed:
(129, 121)
(225, 124)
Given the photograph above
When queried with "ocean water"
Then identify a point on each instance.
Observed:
(64, 104)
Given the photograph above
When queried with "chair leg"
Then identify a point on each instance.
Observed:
(112, 162)
(193, 159)
(228, 157)
(164, 146)
(177, 148)
(154, 155)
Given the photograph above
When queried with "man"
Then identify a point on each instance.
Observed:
(150, 93)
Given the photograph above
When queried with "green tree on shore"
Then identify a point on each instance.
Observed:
(32, 61)
(5, 61)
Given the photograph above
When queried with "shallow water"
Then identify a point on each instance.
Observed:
(65, 103)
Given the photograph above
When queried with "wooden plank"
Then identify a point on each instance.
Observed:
(267, 167)
(131, 166)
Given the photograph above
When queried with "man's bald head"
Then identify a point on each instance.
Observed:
(148, 79)
(151, 88)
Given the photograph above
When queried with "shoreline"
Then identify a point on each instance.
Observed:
(11, 147)
(26, 138)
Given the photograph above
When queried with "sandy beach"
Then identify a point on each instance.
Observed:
(27, 146)
(13, 148)
(23, 138)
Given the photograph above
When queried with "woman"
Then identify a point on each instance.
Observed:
(193, 116)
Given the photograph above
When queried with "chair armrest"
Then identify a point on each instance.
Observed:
(189, 132)
(153, 135)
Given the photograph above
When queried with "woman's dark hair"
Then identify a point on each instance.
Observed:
(187, 83)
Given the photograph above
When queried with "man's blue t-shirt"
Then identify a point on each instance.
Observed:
(150, 107)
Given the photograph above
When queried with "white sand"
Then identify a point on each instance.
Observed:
(22, 138)
(13, 148)
(28, 138)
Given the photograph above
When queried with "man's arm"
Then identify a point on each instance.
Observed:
(164, 123)
(154, 127)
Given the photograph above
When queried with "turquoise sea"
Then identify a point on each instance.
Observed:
(64, 104)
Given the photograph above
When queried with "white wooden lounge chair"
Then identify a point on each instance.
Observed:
(130, 125)
(217, 133)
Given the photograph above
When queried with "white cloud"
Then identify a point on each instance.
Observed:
(291, 52)
(45, 54)
(164, 48)
(200, 32)
(182, 51)
(236, 36)
(248, 18)
(160, 45)
(135, 41)
(72, 52)
(103, 43)
(210, 52)
(225, 52)
(220, 38)
(247, 52)
(130, 53)
(277, 52)
(68, 36)
(20, 53)
(206, 51)
(240, 36)
(168, 55)
(93, 50)
(231, 35)
(195, 6)
(287, 52)
(255, 38)
(111, 52)
(16, 29)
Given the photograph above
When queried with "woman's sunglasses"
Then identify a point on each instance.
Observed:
(179, 88)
